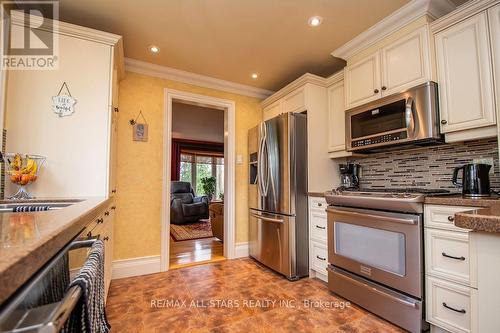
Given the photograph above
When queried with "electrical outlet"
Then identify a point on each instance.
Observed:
(485, 160)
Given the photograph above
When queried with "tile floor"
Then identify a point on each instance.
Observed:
(232, 296)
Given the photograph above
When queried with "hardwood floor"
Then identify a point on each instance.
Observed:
(195, 252)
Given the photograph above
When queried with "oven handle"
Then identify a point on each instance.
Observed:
(381, 293)
(385, 218)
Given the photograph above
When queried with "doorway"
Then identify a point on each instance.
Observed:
(203, 230)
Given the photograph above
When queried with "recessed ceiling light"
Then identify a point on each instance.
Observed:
(315, 21)
(154, 49)
(255, 75)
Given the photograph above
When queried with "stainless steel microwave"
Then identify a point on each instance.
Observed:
(410, 118)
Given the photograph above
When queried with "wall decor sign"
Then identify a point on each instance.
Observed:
(63, 104)
(140, 130)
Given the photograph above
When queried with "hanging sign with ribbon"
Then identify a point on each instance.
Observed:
(140, 132)
(63, 104)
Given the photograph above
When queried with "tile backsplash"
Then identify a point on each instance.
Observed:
(430, 167)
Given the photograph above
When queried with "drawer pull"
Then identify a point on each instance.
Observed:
(320, 204)
(106, 238)
(113, 207)
(321, 258)
(100, 220)
(106, 213)
(451, 218)
(452, 257)
(453, 309)
(320, 227)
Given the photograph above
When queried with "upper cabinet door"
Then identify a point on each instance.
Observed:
(494, 19)
(465, 75)
(362, 81)
(405, 63)
(336, 117)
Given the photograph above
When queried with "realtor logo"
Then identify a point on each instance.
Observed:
(28, 41)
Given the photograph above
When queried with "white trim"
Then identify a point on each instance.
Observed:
(294, 85)
(168, 73)
(135, 266)
(69, 29)
(241, 250)
(229, 168)
(466, 10)
(403, 16)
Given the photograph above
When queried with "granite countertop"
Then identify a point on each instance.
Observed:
(29, 240)
(457, 199)
(316, 194)
(485, 219)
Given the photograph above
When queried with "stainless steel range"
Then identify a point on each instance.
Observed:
(375, 252)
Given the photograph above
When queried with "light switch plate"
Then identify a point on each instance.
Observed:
(239, 159)
(485, 160)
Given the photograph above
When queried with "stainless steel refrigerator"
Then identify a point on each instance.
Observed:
(278, 224)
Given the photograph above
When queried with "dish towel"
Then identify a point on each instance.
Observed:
(20, 209)
(89, 315)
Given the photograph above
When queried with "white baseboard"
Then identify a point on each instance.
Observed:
(135, 266)
(241, 250)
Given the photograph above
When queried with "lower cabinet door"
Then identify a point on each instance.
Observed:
(319, 257)
(449, 305)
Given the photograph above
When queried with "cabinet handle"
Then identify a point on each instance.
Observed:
(106, 238)
(451, 218)
(113, 207)
(320, 204)
(100, 220)
(384, 88)
(320, 227)
(113, 191)
(452, 257)
(375, 91)
(453, 309)
(321, 258)
(116, 110)
(444, 122)
(106, 213)
(89, 234)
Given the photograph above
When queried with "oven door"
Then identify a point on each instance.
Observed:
(381, 246)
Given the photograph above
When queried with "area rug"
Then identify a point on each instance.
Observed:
(197, 230)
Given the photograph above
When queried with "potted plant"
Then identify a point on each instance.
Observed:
(208, 185)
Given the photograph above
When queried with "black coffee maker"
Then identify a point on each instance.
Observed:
(475, 180)
(349, 175)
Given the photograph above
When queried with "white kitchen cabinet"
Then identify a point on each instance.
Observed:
(362, 81)
(397, 66)
(273, 110)
(318, 249)
(295, 101)
(78, 147)
(405, 62)
(336, 118)
(465, 75)
(494, 20)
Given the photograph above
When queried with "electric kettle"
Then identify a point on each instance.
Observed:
(475, 180)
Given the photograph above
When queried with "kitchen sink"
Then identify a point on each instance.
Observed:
(9, 206)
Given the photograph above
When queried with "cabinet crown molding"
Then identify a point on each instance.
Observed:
(63, 28)
(301, 81)
(466, 10)
(400, 18)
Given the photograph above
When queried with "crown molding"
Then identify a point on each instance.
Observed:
(163, 72)
(462, 12)
(301, 81)
(334, 78)
(395, 21)
(68, 29)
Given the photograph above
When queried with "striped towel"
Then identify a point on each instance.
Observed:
(89, 315)
(21, 209)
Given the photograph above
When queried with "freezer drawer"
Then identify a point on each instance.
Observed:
(270, 241)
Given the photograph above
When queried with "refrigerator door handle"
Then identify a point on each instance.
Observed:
(267, 219)
(260, 169)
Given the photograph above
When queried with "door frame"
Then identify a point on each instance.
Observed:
(229, 108)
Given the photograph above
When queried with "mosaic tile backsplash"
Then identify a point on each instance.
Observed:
(430, 167)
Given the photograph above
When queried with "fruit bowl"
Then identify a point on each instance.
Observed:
(23, 170)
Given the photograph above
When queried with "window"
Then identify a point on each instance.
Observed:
(197, 165)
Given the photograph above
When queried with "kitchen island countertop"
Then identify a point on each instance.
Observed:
(29, 240)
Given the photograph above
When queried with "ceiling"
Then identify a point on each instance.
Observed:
(231, 39)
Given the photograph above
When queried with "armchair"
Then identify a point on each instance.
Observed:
(185, 207)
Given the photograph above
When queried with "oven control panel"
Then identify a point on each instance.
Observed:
(379, 139)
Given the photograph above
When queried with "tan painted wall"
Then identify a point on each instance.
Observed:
(139, 164)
